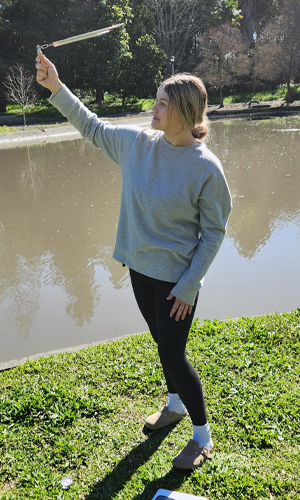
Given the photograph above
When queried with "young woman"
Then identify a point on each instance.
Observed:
(174, 209)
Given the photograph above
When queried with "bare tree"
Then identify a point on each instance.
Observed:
(279, 47)
(178, 22)
(224, 57)
(19, 85)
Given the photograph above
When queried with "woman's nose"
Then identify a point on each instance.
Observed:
(154, 107)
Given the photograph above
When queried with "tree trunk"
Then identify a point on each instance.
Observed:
(221, 98)
(247, 22)
(99, 97)
(24, 118)
(289, 94)
(2, 106)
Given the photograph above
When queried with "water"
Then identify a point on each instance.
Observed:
(59, 204)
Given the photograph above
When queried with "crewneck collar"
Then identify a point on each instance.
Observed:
(176, 148)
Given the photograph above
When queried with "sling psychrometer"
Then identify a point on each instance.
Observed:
(76, 38)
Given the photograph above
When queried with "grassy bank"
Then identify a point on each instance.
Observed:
(81, 415)
(112, 104)
(45, 112)
(279, 93)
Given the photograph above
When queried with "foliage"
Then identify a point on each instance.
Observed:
(120, 61)
(7, 130)
(81, 414)
(78, 64)
(226, 11)
(142, 22)
(143, 74)
(279, 47)
(224, 57)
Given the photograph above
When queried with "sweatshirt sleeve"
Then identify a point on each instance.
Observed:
(214, 207)
(111, 139)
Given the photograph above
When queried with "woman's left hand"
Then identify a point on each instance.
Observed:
(181, 307)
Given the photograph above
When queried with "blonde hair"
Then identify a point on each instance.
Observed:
(188, 94)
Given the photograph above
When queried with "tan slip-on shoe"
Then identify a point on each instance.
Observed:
(192, 456)
(162, 418)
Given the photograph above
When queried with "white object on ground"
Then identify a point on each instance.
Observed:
(173, 495)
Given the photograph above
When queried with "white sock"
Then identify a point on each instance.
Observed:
(175, 404)
(201, 434)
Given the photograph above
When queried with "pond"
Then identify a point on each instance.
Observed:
(59, 205)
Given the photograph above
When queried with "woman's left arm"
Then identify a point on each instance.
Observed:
(214, 209)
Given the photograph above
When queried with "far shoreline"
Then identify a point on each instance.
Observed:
(37, 133)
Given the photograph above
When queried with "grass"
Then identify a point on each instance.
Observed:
(112, 105)
(81, 415)
(39, 113)
(11, 129)
(7, 130)
(46, 113)
(279, 93)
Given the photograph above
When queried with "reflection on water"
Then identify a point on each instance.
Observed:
(59, 207)
(262, 168)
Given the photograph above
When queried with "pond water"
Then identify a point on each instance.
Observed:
(59, 204)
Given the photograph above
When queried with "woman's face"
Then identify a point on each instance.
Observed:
(164, 118)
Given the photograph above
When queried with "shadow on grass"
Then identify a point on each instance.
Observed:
(171, 481)
(108, 488)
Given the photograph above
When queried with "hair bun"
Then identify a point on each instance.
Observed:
(201, 131)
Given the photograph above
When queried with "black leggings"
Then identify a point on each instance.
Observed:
(171, 337)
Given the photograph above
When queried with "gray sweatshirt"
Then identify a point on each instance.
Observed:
(175, 200)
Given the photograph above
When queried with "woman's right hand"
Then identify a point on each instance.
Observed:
(47, 75)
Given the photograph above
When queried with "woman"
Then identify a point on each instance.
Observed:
(174, 208)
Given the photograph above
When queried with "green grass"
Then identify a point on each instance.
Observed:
(7, 130)
(113, 104)
(267, 95)
(114, 108)
(4, 129)
(38, 113)
(81, 415)
(47, 113)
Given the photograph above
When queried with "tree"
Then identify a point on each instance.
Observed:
(19, 85)
(3, 101)
(177, 23)
(257, 69)
(93, 62)
(279, 47)
(142, 21)
(224, 57)
(255, 15)
(143, 73)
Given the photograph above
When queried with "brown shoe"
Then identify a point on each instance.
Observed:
(192, 456)
(162, 418)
